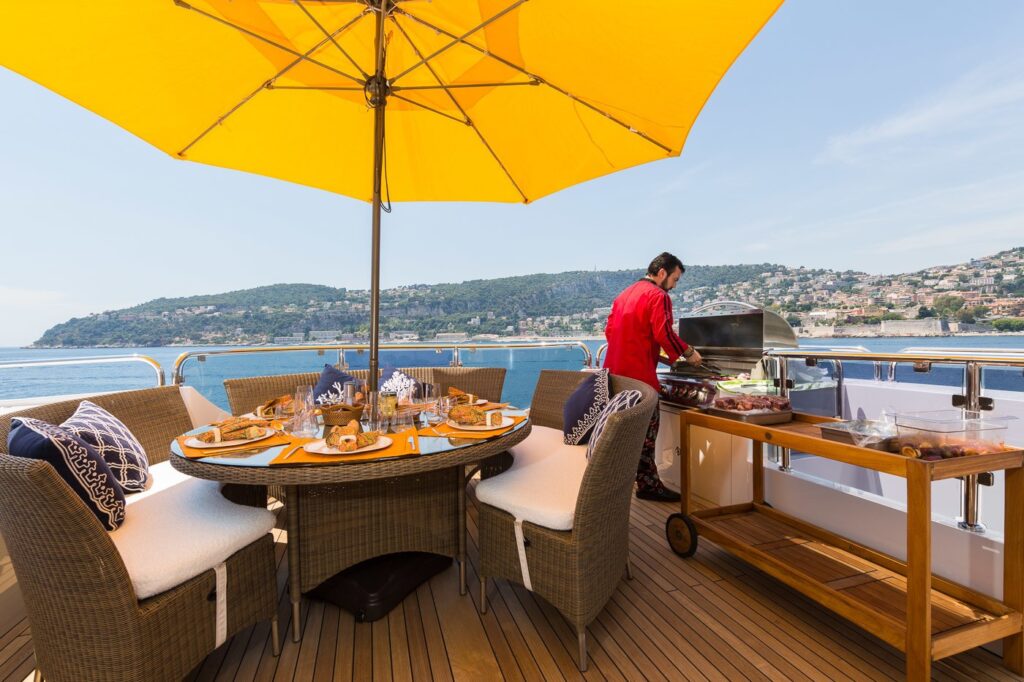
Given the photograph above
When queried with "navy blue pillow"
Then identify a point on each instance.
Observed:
(584, 406)
(77, 462)
(119, 448)
(329, 390)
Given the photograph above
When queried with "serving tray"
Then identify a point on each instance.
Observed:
(763, 418)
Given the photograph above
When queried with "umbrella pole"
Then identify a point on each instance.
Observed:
(378, 90)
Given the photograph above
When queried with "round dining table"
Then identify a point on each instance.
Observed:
(340, 514)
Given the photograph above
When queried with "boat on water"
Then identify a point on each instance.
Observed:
(711, 615)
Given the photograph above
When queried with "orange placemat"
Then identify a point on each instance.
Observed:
(399, 448)
(443, 431)
(197, 453)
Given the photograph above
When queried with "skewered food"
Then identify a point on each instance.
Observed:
(236, 428)
(467, 415)
(461, 397)
(350, 437)
(269, 409)
(353, 428)
(750, 403)
(366, 438)
(345, 442)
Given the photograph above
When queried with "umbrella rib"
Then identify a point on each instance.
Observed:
(268, 84)
(469, 121)
(463, 85)
(455, 39)
(302, 56)
(348, 88)
(534, 76)
(334, 42)
(432, 109)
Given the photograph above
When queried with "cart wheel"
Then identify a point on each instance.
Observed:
(681, 534)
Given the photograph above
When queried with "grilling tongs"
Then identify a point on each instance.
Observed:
(710, 367)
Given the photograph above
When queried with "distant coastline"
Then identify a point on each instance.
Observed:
(528, 339)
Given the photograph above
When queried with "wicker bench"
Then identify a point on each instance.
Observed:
(82, 594)
(577, 549)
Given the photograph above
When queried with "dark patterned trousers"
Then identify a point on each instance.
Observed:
(647, 478)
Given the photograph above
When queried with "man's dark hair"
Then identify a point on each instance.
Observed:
(665, 260)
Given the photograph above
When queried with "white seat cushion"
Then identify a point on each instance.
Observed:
(542, 485)
(180, 527)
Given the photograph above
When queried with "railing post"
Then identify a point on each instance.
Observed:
(969, 485)
(783, 372)
(839, 388)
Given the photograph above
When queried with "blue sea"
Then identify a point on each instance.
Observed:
(524, 366)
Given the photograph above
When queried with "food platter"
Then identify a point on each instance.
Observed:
(320, 447)
(505, 423)
(194, 442)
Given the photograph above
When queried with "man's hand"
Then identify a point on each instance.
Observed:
(695, 359)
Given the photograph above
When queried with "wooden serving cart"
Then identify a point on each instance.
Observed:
(901, 602)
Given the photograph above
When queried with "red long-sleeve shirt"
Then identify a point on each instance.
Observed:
(639, 327)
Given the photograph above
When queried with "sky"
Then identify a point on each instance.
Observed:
(852, 134)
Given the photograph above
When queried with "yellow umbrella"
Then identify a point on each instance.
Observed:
(405, 100)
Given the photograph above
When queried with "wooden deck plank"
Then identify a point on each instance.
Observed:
(344, 647)
(323, 669)
(381, 633)
(362, 646)
(306, 661)
(419, 660)
(440, 667)
(401, 668)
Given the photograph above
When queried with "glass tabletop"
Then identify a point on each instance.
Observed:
(429, 445)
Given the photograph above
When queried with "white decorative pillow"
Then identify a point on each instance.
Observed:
(619, 402)
(118, 447)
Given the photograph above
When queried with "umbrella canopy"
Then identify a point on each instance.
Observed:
(414, 100)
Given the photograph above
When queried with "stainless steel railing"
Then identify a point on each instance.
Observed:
(98, 360)
(456, 350)
(973, 361)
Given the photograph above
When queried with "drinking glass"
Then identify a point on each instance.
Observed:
(401, 421)
(431, 397)
(304, 422)
(371, 419)
(444, 406)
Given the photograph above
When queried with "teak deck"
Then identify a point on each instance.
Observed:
(900, 602)
(712, 617)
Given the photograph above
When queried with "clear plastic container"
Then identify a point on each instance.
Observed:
(940, 434)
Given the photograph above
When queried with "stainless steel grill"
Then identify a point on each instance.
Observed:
(732, 338)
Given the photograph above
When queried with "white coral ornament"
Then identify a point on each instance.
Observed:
(335, 395)
(398, 383)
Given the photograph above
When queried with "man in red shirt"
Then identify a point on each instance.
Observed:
(639, 329)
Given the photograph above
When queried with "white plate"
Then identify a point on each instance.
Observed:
(505, 422)
(194, 442)
(319, 447)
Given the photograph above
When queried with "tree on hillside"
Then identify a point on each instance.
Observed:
(947, 305)
(925, 311)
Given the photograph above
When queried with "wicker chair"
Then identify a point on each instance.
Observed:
(87, 623)
(578, 570)
(244, 395)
